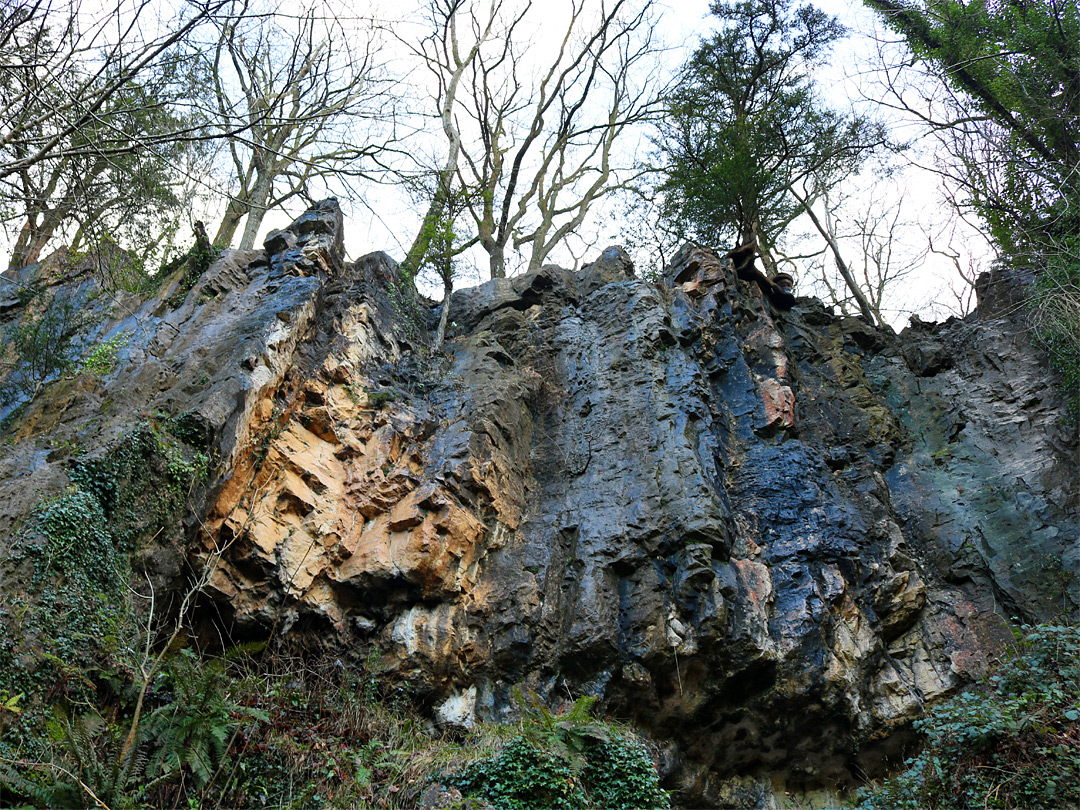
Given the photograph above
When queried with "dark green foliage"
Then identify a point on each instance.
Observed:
(568, 761)
(1016, 66)
(376, 399)
(76, 545)
(88, 761)
(1011, 742)
(73, 638)
(567, 735)
(744, 124)
(621, 776)
(75, 616)
(1016, 151)
(523, 777)
(144, 480)
(188, 428)
(113, 758)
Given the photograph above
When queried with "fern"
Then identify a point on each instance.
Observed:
(88, 766)
(568, 734)
(193, 730)
(94, 762)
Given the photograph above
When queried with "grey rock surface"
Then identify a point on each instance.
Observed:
(768, 539)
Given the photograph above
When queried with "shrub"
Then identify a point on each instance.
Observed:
(567, 761)
(1013, 741)
(39, 347)
(101, 360)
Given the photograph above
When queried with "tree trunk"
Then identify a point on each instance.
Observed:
(24, 253)
(422, 243)
(444, 317)
(497, 257)
(260, 195)
(841, 265)
(234, 212)
(33, 238)
(40, 226)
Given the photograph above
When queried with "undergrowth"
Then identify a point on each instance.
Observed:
(1012, 742)
(565, 761)
(252, 730)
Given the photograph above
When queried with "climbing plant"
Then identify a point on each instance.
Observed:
(75, 617)
(1010, 743)
(144, 480)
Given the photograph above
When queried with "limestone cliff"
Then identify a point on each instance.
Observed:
(768, 539)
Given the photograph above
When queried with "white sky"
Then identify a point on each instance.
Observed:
(682, 23)
(926, 290)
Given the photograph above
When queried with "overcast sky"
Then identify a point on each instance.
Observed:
(682, 23)
(385, 219)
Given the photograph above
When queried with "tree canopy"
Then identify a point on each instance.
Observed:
(114, 116)
(1014, 127)
(746, 126)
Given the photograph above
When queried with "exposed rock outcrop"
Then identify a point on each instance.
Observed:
(768, 538)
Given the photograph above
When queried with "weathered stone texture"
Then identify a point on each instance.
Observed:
(768, 539)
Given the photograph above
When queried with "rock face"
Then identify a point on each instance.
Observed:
(768, 539)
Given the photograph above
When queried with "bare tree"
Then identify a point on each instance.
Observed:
(952, 246)
(59, 72)
(307, 100)
(535, 153)
(827, 231)
(880, 236)
(441, 52)
(95, 115)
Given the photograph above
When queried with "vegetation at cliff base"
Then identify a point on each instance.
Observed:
(258, 729)
(565, 761)
(1010, 743)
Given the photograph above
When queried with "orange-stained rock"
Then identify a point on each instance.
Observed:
(768, 541)
(778, 401)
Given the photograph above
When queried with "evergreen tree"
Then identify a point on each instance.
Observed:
(1014, 127)
(745, 126)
